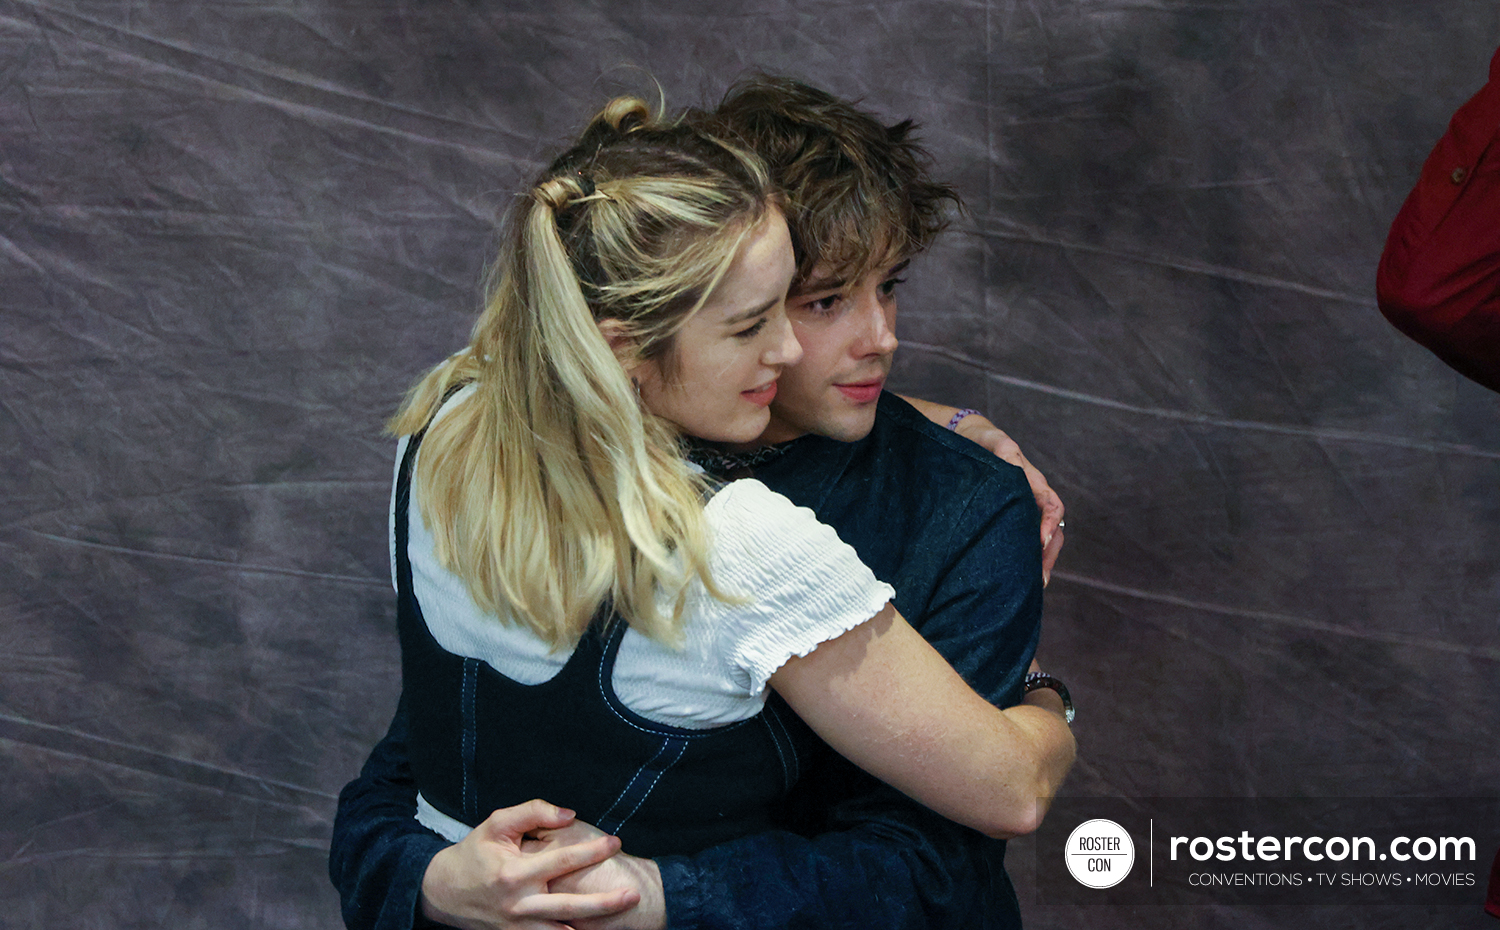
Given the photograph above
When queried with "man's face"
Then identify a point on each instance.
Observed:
(848, 334)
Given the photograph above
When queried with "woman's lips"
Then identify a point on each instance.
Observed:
(862, 392)
(761, 396)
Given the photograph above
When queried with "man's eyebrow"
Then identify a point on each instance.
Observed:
(753, 312)
(838, 284)
(824, 284)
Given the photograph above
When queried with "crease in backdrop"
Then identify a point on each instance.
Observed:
(232, 234)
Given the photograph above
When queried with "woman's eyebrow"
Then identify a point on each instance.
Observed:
(744, 315)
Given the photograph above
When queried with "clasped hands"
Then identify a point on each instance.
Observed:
(535, 866)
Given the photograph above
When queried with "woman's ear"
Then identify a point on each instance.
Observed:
(616, 334)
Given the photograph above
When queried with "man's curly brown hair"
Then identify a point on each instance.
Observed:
(859, 194)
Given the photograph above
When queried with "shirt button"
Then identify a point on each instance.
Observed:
(1458, 175)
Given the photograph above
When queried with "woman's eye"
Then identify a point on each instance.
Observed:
(752, 331)
(888, 286)
(823, 304)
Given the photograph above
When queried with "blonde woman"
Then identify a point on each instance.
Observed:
(585, 616)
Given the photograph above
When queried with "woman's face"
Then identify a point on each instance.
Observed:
(728, 355)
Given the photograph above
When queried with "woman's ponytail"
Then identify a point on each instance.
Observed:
(549, 490)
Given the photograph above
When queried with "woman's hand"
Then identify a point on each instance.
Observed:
(975, 428)
(488, 882)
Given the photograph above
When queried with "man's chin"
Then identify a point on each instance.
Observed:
(843, 421)
(850, 428)
(836, 418)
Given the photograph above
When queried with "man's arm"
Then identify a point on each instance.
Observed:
(976, 428)
(379, 852)
(1439, 277)
(894, 877)
(392, 873)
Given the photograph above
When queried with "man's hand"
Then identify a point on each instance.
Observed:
(488, 882)
(641, 876)
(977, 429)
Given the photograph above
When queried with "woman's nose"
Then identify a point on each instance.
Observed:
(786, 350)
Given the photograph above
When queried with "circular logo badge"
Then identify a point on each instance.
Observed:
(1099, 853)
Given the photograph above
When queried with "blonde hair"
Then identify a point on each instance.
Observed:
(549, 490)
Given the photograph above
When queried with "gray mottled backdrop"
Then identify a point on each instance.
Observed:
(232, 232)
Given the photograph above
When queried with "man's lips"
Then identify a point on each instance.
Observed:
(862, 392)
(761, 396)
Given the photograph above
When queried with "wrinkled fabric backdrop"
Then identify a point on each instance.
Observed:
(231, 234)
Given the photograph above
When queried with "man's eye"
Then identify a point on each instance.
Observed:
(823, 304)
(752, 331)
(888, 286)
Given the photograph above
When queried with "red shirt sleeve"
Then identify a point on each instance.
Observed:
(1439, 278)
(1492, 899)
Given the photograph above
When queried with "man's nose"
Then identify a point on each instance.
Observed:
(878, 324)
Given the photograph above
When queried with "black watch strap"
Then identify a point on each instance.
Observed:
(1037, 680)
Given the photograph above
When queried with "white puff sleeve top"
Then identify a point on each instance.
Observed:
(803, 586)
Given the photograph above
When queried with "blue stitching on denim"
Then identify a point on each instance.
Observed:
(668, 744)
(681, 748)
(470, 715)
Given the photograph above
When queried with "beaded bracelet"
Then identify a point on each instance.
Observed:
(953, 423)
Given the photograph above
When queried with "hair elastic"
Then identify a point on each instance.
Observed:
(953, 423)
